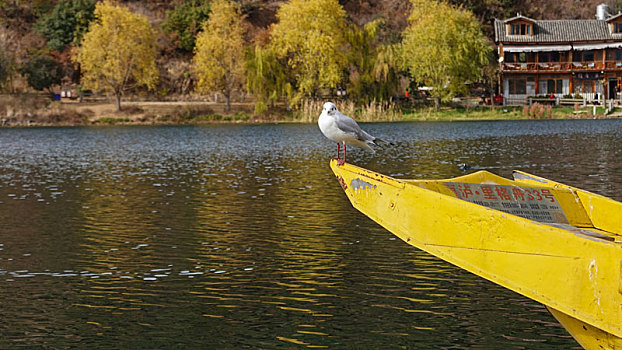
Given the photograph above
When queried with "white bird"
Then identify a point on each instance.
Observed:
(342, 129)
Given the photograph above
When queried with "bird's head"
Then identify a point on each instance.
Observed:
(329, 108)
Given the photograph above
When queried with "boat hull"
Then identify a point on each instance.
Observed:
(577, 274)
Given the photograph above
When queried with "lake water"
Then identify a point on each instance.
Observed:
(239, 236)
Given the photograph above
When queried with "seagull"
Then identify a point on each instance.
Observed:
(342, 129)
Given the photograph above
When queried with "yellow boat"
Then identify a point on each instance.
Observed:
(550, 242)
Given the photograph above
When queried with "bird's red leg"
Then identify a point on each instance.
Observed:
(338, 149)
(342, 161)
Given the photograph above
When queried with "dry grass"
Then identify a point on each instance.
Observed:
(309, 110)
(18, 110)
(538, 111)
(33, 109)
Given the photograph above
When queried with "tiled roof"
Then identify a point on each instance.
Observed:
(555, 31)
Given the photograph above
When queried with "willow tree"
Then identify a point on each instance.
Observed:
(444, 48)
(373, 73)
(218, 61)
(118, 52)
(309, 38)
(5, 67)
(266, 78)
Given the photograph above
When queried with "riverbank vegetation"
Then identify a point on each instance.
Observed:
(37, 110)
(268, 60)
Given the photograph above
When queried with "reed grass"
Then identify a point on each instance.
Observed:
(309, 110)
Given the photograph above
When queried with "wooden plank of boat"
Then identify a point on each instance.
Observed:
(547, 241)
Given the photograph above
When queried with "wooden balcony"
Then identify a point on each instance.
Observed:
(560, 67)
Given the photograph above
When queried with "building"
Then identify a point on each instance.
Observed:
(560, 57)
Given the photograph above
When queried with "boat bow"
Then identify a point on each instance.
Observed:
(538, 238)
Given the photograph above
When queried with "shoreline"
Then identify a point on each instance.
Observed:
(27, 112)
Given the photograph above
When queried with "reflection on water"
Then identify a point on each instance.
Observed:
(239, 237)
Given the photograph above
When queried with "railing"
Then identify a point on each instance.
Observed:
(561, 66)
(520, 100)
(515, 100)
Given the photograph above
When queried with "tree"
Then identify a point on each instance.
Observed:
(118, 52)
(42, 71)
(266, 78)
(309, 37)
(373, 72)
(5, 67)
(219, 54)
(185, 22)
(443, 48)
(67, 22)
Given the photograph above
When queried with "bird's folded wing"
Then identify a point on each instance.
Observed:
(348, 125)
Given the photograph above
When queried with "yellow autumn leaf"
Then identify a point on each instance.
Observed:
(118, 52)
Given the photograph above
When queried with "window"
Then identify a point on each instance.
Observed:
(517, 86)
(583, 56)
(617, 28)
(554, 86)
(521, 87)
(584, 86)
(614, 55)
(520, 29)
(548, 57)
(550, 86)
(588, 56)
(519, 57)
(544, 57)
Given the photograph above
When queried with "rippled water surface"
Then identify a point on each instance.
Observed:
(238, 236)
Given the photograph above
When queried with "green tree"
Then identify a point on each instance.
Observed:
(218, 61)
(5, 68)
(309, 37)
(66, 23)
(444, 48)
(185, 21)
(266, 78)
(118, 52)
(42, 71)
(373, 73)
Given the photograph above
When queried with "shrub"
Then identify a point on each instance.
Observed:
(241, 116)
(538, 111)
(42, 71)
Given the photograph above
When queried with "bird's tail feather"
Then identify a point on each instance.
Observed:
(382, 143)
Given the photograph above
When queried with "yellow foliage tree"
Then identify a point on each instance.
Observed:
(118, 52)
(444, 48)
(310, 36)
(219, 55)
